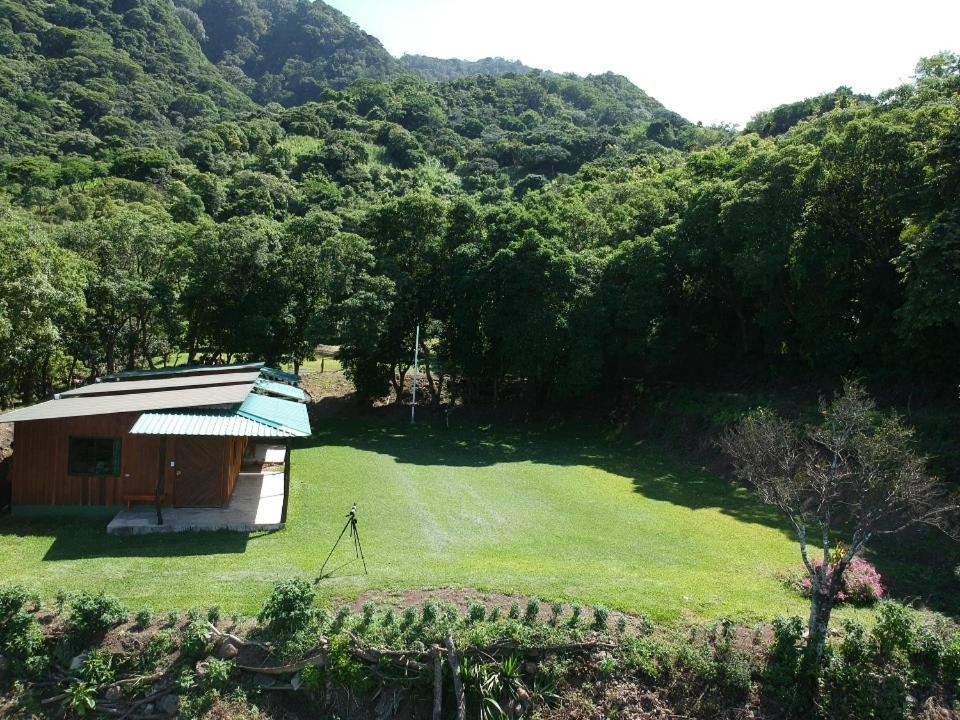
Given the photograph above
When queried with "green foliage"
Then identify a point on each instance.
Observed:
(143, 618)
(161, 644)
(80, 699)
(97, 668)
(290, 607)
(344, 669)
(93, 614)
(21, 638)
(217, 675)
(532, 612)
(601, 618)
(195, 640)
(476, 612)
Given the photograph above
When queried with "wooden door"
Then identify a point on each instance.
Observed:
(196, 471)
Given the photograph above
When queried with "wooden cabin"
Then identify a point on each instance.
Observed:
(172, 437)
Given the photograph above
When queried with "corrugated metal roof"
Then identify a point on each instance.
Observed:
(291, 392)
(281, 414)
(132, 402)
(220, 424)
(169, 383)
(280, 376)
(181, 371)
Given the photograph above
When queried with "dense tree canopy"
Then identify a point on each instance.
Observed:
(557, 234)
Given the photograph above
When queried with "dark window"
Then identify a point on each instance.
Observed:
(94, 456)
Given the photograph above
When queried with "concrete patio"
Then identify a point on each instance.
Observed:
(256, 505)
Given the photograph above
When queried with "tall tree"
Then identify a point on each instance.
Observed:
(853, 478)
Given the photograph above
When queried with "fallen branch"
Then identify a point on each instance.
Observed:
(296, 667)
(237, 640)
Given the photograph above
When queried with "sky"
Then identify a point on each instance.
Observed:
(714, 62)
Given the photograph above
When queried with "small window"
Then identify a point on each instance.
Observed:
(94, 456)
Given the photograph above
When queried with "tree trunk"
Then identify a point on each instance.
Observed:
(821, 606)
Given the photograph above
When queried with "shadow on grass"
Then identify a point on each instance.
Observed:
(87, 538)
(918, 567)
(652, 475)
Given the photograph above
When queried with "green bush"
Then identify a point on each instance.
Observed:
(143, 618)
(601, 617)
(218, 674)
(476, 613)
(97, 669)
(160, 646)
(895, 629)
(430, 613)
(289, 609)
(532, 612)
(389, 618)
(91, 615)
(195, 640)
(646, 657)
(81, 699)
(213, 615)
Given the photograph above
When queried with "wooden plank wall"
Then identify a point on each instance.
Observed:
(39, 471)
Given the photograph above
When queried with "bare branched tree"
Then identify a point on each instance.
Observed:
(854, 477)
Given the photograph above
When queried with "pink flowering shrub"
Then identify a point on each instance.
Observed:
(862, 584)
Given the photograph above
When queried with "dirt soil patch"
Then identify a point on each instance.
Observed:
(462, 599)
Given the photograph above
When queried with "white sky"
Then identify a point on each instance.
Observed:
(710, 61)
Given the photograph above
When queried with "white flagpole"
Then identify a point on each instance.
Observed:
(416, 368)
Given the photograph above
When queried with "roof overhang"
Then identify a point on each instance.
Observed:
(259, 416)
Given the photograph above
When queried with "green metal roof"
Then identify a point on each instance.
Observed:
(269, 387)
(209, 423)
(280, 375)
(281, 414)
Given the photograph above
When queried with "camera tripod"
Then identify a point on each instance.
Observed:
(357, 547)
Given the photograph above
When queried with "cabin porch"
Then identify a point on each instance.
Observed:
(255, 506)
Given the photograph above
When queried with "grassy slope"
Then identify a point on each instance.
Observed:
(530, 512)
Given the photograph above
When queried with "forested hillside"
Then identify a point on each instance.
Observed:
(82, 77)
(439, 69)
(286, 51)
(566, 236)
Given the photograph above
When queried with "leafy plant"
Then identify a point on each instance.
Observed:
(160, 645)
(430, 613)
(476, 612)
(389, 618)
(514, 613)
(97, 668)
(532, 612)
(218, 674)
(601, 617)
(143, 618)
(556, 611)
(289, 608)
(80, 699)
(213, 615)
(195, 640)
(93, 614)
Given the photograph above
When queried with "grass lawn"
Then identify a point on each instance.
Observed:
(559, 515)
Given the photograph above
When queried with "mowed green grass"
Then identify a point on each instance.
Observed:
(554, 514)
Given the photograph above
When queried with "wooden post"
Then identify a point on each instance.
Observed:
(160, 480)
(457, 680)
(286, 482)
(437, 683)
